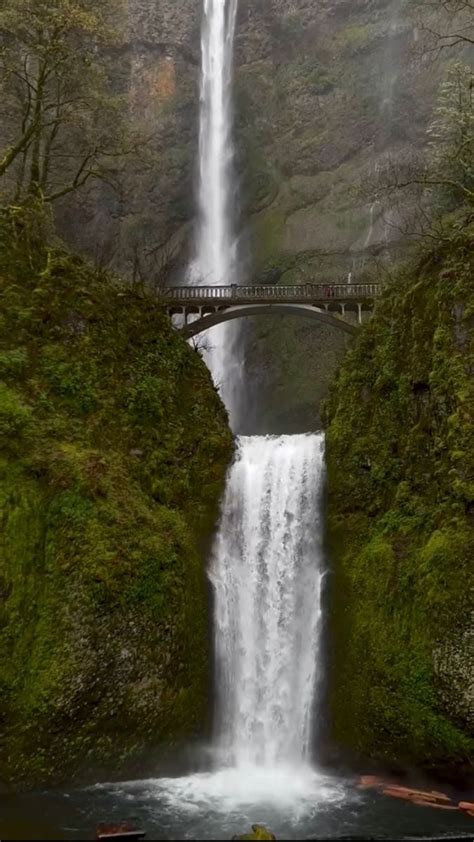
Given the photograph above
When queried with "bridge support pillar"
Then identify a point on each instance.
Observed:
(189, 312)
(359, 313)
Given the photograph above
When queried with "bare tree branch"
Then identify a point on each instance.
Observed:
(19, 146)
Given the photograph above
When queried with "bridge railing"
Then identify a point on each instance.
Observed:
(295, 292)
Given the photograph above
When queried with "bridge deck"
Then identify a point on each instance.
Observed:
(316, 294)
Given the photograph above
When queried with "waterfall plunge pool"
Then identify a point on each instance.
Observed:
(292, 803)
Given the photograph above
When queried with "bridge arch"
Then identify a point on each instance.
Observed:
(238, 312)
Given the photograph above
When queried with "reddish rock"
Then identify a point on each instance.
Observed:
(117, 832)
(396, 791)
(371, 782)
(466, 805)
(441, 795)
(422, 802)
(408, 792)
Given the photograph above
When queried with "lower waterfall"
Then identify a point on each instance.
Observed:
(267, 571)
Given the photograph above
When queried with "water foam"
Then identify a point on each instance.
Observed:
(294, 791)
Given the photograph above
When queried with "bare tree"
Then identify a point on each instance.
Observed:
(61, 114)
(438, 180)
(446, 24)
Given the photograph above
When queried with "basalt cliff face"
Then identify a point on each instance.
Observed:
(145, 225)
(324, 92)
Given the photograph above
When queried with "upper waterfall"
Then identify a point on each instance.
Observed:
(216, 241)
(216, 258)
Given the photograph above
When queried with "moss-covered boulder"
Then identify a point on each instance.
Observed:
(114, 448)
(400, 450)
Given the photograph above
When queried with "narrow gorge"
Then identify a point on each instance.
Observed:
(236, 576)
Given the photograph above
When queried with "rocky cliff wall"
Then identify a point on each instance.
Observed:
(114, 449)
(400, 449)
(145, 225)
(324, 92)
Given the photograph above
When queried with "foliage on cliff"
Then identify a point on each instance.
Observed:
(400, 449)
(114, 447)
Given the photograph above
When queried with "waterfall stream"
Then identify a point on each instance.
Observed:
(266, 568)
(267, 571)
(216, 246)
(216, 258)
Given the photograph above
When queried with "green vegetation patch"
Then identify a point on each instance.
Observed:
(114, 449)
(400, 450)
(357, 37)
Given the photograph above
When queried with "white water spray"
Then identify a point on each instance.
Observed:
(267, 571)
(216, 261)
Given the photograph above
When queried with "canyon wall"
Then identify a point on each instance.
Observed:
(325, 92)
(114, 450)
(400, 449)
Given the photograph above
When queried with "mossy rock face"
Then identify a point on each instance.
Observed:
(400, 452)
(114, 450)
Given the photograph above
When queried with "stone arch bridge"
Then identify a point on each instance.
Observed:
(343, 306)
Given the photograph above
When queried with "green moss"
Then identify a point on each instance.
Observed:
(12, 363)
(268, 229)
(304, 77)
(356, 37)
(113, 462)
(14, 414)
(400, 447)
